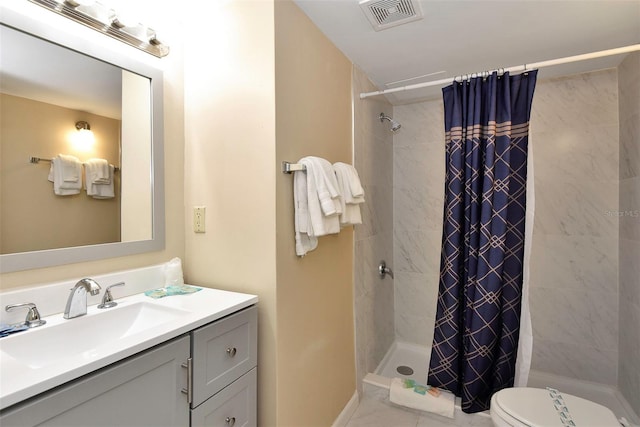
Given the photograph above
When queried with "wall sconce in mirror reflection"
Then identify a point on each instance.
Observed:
(83, 139)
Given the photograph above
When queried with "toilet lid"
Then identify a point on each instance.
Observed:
(535, 407)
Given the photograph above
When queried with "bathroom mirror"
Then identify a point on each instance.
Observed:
(129, 95)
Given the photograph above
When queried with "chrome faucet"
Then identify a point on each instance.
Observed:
(107, 298)
(33, 319)
(77, 302)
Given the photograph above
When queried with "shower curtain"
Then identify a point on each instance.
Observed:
(479, 299)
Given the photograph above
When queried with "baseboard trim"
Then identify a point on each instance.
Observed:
(347, 412)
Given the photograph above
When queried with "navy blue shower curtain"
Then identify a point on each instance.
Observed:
(478, 314)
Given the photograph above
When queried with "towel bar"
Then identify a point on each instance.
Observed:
(292, 167)
(37, 160)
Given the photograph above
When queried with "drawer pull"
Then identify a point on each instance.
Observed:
(230, 420)
(231, 351)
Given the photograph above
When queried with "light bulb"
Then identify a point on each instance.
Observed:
(83, 139)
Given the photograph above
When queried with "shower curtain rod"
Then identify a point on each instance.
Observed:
(525, 67)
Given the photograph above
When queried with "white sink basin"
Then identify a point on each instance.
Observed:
(85, 336)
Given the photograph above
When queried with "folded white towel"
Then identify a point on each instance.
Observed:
(98, 171)
(352, 193)
(66, 175)
(323, 216)
(441, 405)
(71, 168)
(304, 242)
(326, 185)
(355, 193)
(100, 191)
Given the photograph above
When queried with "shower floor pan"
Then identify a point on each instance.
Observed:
(404, 355)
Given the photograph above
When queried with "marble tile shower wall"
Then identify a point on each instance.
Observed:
(374, 328)
(574, 258)
(629, 243)
(574, 299)
(418, 194)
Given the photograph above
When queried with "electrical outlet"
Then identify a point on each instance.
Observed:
(198, 219)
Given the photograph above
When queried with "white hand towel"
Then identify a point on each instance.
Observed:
(66, 173)
(98, 170)
(71, 168)
(352, 193)
(100, 191)
(441, 405)
(304, 242)
(356, 192)
(319, 224)
(326, 186)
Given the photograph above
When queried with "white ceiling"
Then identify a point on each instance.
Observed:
(36, 69)
(460, 37)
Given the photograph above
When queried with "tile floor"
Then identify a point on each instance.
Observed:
(375, 410)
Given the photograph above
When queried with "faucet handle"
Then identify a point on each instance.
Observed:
(33, 315)
(107, 298)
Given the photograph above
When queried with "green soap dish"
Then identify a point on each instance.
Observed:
(168, 291)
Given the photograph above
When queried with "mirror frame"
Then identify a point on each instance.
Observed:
(54, 257)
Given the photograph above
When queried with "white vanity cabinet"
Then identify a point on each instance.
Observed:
(154, 388)
(144, 390)
(224, 371)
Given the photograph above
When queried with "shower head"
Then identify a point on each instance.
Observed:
(394, 125)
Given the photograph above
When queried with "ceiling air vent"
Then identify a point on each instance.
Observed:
(385, 14)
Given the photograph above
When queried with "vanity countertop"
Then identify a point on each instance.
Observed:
(34, 361)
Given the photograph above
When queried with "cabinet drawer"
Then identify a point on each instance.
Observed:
(234, 406)
(222, 352)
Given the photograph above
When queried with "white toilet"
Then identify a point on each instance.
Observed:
(536, 407)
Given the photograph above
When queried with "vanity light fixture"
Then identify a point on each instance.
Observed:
(84, 139)
(82, 125)
(101, 18)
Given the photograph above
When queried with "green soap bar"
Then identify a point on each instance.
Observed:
(409, 383)
(420, 389)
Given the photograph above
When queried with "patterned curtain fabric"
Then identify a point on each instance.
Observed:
(478, 314)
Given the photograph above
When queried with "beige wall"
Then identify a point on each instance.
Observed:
(136, 137)
(32, 217)
(252, 101)
(230, 153)
(161, 15)
(316, 373)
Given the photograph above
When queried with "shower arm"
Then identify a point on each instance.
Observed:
(394, 125)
